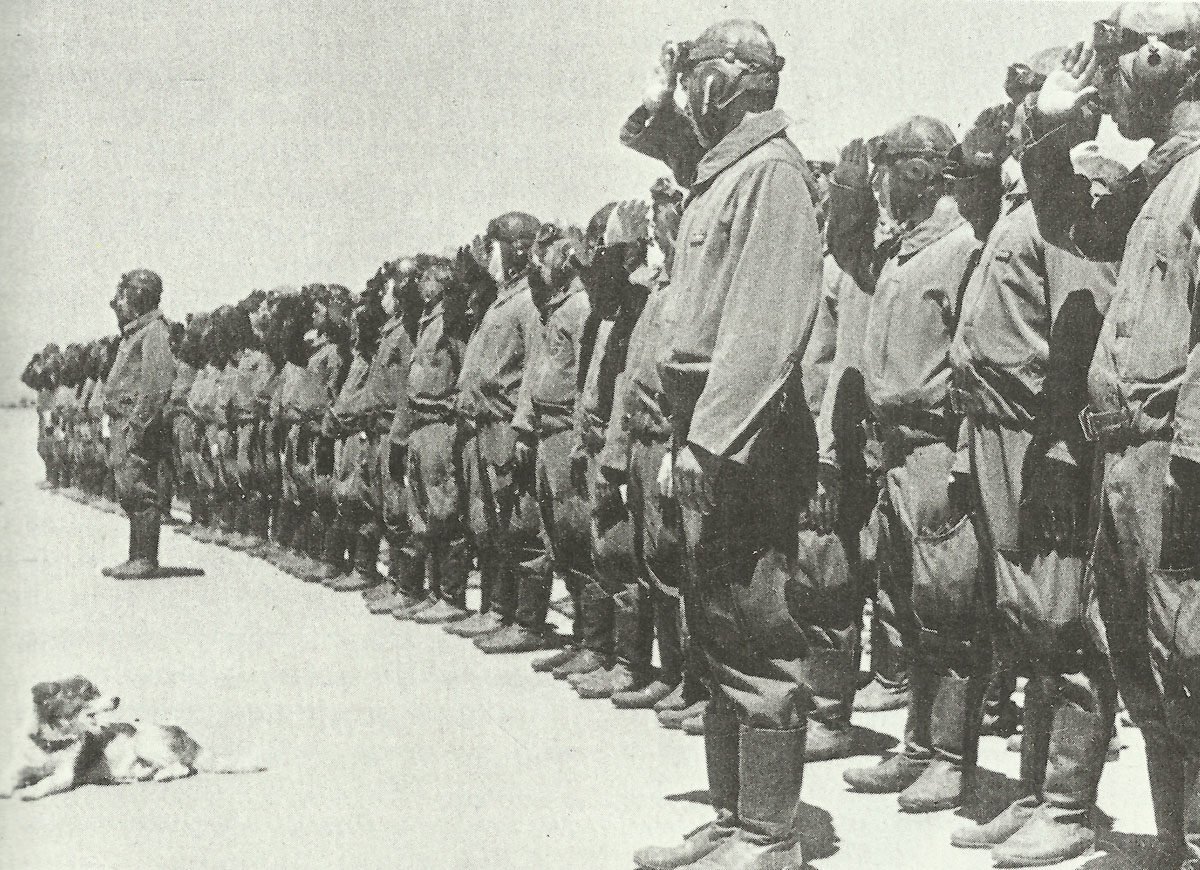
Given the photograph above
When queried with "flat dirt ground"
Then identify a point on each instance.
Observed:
(389, 745)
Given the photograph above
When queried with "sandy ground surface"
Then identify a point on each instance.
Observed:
(389, 744)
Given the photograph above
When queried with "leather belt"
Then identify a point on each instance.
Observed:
(1104, 424)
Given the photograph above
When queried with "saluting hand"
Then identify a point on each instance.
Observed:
(660, 85)
(1068, 89)
(854, 168)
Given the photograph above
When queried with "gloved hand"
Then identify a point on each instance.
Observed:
(666, 476)
(1069, 89)
(660, 85)
(1054, 505)
(853, 169)
(826, 502)
(579, 467)
(1181, 516)
(695, 478)
(523, 465)
(960, 491)
(397, 453)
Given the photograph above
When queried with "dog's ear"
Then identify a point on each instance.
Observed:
(83, 688)
(42, 695)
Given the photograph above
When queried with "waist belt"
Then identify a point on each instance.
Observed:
(1104, 424)
(644, 428)
(963, 402)
(1113, 428)
(381, 422)
(592, 440)
(937, 427)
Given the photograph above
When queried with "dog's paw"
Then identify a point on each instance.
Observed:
(29, 794)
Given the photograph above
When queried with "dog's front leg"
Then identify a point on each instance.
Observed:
(172, 771)
(55, 783)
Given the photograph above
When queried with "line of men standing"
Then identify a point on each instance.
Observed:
(959, 379)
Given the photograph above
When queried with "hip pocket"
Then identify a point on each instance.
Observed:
(945, 580)
(1174, 611)
(761, 608)
(821, 590)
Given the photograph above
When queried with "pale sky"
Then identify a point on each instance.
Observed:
(234, 145)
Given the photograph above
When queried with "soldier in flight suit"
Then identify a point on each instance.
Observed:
(387, 385)
(135, 397)
(748, 262)
(1029, 322)
(1142, 67)
(929, 558)
(435, 492)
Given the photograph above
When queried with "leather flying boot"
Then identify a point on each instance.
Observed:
(366, 569)
(135, 551)
(673, 701)
(644, 698)
(441, 613)
(225, 518)
(899, 771)
(514, 639)
(940, 786)
(721, 741)
(595, 622)
(673, 719)
(603, 684)
(1061, 828)
(259, 525)
(241, 539)
(143, 564)
(421, 605)
(826, 743)
(770, 775)
(890, 776)
(879, 696)
(1038, 721)
(453, 565)
(507, 634)
(546, 664)
(201, 528)
(405, 576)
(584, 663)
(475, 625)
(993, 833)
(334, 560)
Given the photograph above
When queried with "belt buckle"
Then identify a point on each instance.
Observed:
(1085, 423)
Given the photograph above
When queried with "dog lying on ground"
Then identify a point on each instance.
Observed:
(73, 740)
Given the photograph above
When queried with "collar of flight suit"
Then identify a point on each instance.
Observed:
(560, 297)
(432, 312)
(1163, 158)
(944, 220)
(139, 323)
(752, 132)
(511, 289)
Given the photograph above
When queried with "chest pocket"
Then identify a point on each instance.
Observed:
(946, 310)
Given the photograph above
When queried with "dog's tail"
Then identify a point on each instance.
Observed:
(209, 762)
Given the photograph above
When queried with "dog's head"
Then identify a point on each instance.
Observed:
(70, 708)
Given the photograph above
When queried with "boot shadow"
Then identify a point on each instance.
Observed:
(170, 572)
(990, 795)
(817, 835)
(868, 741)
(1121, 851)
